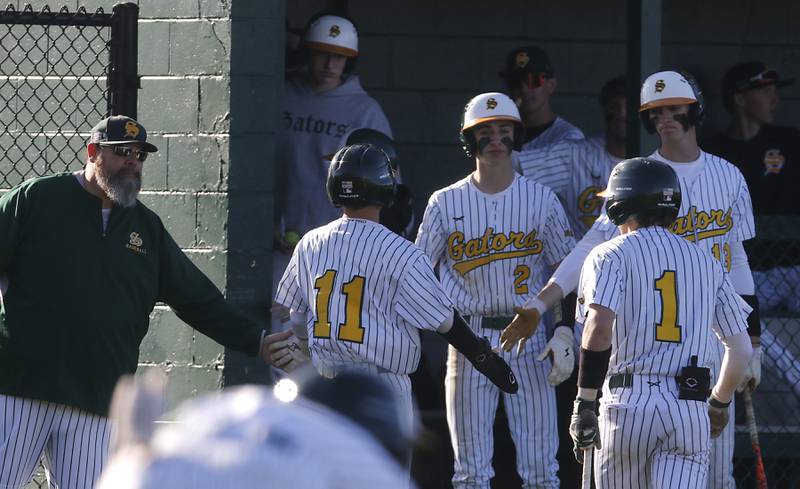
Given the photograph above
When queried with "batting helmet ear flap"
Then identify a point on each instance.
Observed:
(468, 142)
(646, 122)
(696, 110)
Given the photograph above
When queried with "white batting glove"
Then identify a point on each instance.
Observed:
(289, 354)
(752, 374)
(560, 345)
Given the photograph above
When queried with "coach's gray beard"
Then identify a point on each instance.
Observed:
(122, 187)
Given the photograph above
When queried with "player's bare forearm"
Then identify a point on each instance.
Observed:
(550, 294)
(597, 328)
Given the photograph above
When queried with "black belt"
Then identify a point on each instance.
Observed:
(620, 380)
(626, 380)
(499, 322)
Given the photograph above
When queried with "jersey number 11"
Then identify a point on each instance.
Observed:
(350, 329)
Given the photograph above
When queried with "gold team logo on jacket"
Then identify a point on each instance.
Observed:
(660, 86)
(334, 31)
(131, 129)
(703, 224)
(522, 59)
(135, 243)
(473, 253)
(589, 205)
(773, 162)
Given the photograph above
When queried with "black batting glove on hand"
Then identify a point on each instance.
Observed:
(584, 429)
(491, 365)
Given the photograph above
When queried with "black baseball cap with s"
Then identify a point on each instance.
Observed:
(121, 129)
(527, 59)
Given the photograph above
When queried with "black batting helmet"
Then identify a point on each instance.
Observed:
(377, 139)
(642, 188)
(367, 401)
(360, 175)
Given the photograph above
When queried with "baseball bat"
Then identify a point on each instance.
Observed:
(761, 474)
(586, 480)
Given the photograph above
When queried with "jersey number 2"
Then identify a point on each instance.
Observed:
(667, 329)
(521, 274)
(350, 329)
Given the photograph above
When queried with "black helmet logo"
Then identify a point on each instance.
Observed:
(660, 86)
(491, 103)
(522, 59)
(334, 31)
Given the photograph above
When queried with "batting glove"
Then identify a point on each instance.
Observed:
(717, 415)
(584, 429)
(560, 345)
(521, 329)
(289, 354)
(752, 375)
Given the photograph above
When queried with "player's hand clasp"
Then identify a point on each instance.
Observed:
(521, 329)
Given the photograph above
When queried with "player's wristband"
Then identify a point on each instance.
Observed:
(754, 319)
(593, 367)
(535, 303)
(568, 310)
(715, 403)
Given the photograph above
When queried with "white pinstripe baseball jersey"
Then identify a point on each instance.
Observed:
(576, 170)
(561, 129)
(368, 290)
(715, 209)
(488, 248)
(489, 244)
(667, 295)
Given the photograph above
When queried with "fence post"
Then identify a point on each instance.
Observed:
(123, 78)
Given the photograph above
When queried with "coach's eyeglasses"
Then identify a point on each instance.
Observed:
(126, 151)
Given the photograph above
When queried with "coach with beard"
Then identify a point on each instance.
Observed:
(85, 264)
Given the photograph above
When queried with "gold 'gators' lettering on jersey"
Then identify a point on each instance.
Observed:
(473, 253)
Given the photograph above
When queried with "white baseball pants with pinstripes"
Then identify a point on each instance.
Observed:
(650, 439)
(74, 443)
(471, 407)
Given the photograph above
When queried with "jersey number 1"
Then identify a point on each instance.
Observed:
(350, 329)
(667, 329)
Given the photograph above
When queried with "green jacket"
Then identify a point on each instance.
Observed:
(79, 299)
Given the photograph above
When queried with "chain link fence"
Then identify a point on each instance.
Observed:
(62, 73)
(775, 259)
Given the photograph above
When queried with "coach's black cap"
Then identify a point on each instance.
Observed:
(120, 129)
(749, 75)
(527, 59)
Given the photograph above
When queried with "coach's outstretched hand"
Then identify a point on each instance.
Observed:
(521, 329)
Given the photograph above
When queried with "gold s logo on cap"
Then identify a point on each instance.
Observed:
(491, 103)
(334, 31)
(522, 59)
(660, 86)
(131, 129)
